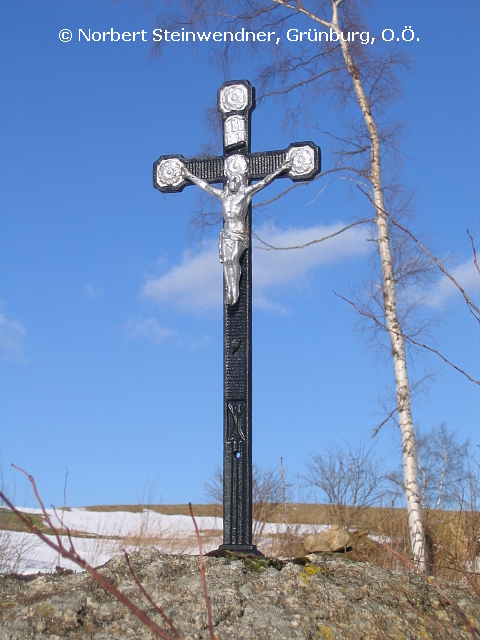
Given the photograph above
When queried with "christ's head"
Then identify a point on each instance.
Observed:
(235, 182)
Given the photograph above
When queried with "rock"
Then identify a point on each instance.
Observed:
(310, 598)
(329, 541)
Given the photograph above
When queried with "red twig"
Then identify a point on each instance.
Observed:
(157, 607)
(202, 573)
(399, 333)
(45, 514)
(469, 625)
(72, 555)
(72, 546)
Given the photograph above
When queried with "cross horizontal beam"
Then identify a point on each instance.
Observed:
(260, 164)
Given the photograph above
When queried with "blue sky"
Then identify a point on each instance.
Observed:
(111, 314)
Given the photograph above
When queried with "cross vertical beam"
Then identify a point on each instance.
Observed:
(236, 101)
(236, 169)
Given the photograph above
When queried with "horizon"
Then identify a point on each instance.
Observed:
(111, 336)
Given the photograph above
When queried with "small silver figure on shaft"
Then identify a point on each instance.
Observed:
(235, 198)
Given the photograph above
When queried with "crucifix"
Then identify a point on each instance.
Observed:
(236, 169)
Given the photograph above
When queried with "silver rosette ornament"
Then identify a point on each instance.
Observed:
(303, 160)
(236, 164)
(233, 98)
(169, 173)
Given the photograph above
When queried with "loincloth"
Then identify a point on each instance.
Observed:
(234, 236)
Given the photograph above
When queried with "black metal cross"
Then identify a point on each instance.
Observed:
(301, 161)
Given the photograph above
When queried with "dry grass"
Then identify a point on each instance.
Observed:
(10, 522)
(214, 510)
(453, 543)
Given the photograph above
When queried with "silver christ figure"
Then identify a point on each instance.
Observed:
(235, 197)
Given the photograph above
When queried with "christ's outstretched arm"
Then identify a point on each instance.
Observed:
(258, 186)
(217, 193)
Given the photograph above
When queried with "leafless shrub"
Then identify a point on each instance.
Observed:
(350, 479)
(441, 467)
(214, 487)
(267, 497)
(14, 545)
(353, 483)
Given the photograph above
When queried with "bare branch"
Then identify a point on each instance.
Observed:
(301, 83)
(287, 528)
(202, 573)
(390, 415)
(399, 333)
(69, 535)
(442, 477)
(309, 14)
(415, 388)
(474, 252)
(437, 262)
(296, 185)
(269, 247)
(45, 514)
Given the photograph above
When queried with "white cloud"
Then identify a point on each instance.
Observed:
(261, 302)
(468, 278)
(147, 328)
(195, 285)
(12, 335)
(196, 343)
(90, 291)
(274, 268)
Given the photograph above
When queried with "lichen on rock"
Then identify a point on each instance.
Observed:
(320, 597)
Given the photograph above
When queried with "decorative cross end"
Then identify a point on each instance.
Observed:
(235, 101)
(306, 160)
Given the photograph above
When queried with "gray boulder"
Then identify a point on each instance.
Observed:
(252, 599)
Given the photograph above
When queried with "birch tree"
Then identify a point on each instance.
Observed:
(350, 71)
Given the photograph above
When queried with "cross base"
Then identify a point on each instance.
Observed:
(241, 548)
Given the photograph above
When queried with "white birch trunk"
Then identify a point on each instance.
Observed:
(410, 477)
